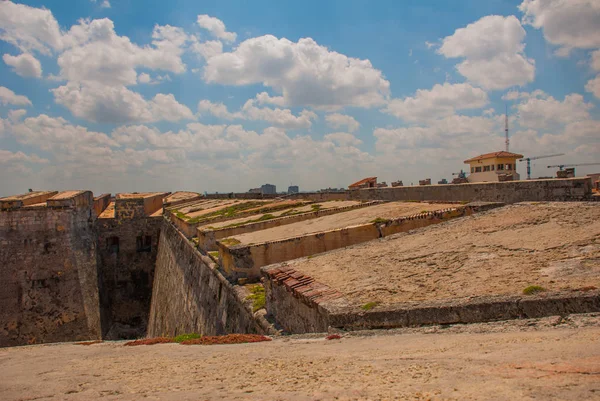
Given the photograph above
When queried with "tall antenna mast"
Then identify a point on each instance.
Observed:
(506, 126)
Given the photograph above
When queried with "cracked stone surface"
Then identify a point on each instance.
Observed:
(501, 252)
(551, 358)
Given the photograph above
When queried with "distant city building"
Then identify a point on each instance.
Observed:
(293, 189)
(497, 166)
(255, 191)
(268, 189)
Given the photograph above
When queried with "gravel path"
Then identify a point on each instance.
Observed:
(544, 359)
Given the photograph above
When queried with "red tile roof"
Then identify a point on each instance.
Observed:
(494, 154)
(363, 181)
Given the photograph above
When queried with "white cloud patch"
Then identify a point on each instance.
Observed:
(278, 117)
(337, 120)
(9, 97)
(566, 23)
(24, 65)
(216, 27)
(15, 116)
(29, 28)
(593, 86)
(304, 73)
(207, 49)
(440, 101)
(102, 3)
(343, 139)
(548, 113)
(97, 54)
(446, 133)
(493, 50)
(108, 104)
(8, 157)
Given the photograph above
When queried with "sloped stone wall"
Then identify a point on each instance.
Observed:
(191, 295)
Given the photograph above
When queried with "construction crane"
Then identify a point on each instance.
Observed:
(529, 159)
(562, 166)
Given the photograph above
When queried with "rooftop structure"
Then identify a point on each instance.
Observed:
(369, 182)
(496, 166)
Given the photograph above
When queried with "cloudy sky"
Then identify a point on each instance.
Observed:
(135, 95)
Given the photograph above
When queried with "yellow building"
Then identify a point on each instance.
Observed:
(497, 166)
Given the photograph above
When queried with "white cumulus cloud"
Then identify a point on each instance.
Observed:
(24, 65)
(439, 101)
(216, 27)
(493, 52)
(304, 73)
(9, 97)
(566, 23)
(337, 120)
(117, 104)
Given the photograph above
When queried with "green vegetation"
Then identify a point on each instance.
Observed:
(533, 289)
(229, 211)
(380, 220)
(316, 207)
(257, 296)
(214, 254)
(230, 241)
(237, 208)
(369, 306)
(177, 213)
(185, 337)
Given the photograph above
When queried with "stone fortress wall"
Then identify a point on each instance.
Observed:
(74, 267)
(49, 288)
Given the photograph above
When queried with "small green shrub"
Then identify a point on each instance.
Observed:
(257, 296)
(369, 305)
(184, 337)
(533, 289)
(380, 220)
(214, 254)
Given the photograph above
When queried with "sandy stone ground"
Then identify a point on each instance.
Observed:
(346, 219)
(555, 358)
(554, 245)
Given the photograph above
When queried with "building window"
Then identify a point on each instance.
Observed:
(486, 168)
(144, 243)
(112, 244)
(472, 169)
(478, 169)
(500, 166)
(509, 166)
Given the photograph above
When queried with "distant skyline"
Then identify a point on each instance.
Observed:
(126, 95)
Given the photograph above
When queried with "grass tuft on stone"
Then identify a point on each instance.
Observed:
(230, 241)
(380, 220)
(533, 289)
(257, 296)
(369, 306)
(185, 337)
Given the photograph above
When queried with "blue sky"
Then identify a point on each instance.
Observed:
(125, 95)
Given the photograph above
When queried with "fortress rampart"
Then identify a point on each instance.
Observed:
(49, 288)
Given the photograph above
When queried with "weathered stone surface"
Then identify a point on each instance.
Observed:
(126, 273)
(190, 295)
(49, 289)
(507, 192)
